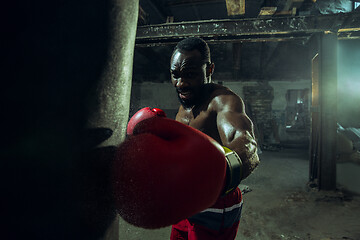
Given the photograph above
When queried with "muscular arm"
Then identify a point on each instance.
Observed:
(236, 130)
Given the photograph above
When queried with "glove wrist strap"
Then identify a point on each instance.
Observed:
(233, 170)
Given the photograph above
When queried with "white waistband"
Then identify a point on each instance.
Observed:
(221, 210)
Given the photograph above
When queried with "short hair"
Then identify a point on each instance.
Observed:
(195, 43)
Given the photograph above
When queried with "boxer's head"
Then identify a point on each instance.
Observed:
(190, 69)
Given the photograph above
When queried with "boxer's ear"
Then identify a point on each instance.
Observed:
(210, 69)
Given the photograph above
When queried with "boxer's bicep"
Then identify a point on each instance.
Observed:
(232, 121)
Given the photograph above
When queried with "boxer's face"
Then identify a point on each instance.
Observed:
(188, 75)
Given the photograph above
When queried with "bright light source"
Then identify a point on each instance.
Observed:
(356, 4)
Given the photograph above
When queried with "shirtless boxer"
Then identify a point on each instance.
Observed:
(169, 172)
(218, 112)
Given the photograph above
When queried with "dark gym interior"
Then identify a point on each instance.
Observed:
(75, 71)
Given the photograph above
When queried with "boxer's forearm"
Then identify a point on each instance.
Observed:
(250, 162)
(245, 146)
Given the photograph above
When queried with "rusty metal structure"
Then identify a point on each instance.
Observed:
(346, 25)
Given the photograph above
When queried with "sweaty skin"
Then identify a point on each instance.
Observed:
(211, 108)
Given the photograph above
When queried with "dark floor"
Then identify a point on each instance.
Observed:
(280, 206)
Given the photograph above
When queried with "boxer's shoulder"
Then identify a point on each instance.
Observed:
(223, 97)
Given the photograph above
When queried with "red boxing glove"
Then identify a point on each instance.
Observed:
(166, 172)
(141, 115)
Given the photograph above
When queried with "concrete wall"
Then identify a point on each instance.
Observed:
(162, 95)
(278, 108)
(159, 95)
(280, 89)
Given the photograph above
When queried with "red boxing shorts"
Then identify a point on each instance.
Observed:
(220, 222)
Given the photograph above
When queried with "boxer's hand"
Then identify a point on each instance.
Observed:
(166, 172)
(141, 115)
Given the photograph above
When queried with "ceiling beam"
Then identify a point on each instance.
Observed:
(191, 2)
(268, 29)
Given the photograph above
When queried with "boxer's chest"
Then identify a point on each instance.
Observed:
(203, 120)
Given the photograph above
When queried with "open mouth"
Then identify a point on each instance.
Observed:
(185, 95)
